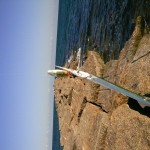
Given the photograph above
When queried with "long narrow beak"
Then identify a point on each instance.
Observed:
(58, 73)
(51, 72)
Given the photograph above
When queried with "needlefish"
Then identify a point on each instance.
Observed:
(142, 100)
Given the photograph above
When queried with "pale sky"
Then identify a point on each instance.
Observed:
(27, 50)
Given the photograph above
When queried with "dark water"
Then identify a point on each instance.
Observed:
(103, 25)
(56, 134)
(107, 24)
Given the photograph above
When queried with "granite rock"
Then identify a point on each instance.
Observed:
(92, 117)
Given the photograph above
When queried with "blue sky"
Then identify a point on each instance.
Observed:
(27, 50)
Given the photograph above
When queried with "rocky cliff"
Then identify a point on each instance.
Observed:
(92, 117)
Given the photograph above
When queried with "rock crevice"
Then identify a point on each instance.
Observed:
(92, 117)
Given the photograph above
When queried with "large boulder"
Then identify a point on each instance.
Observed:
(92, 117)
